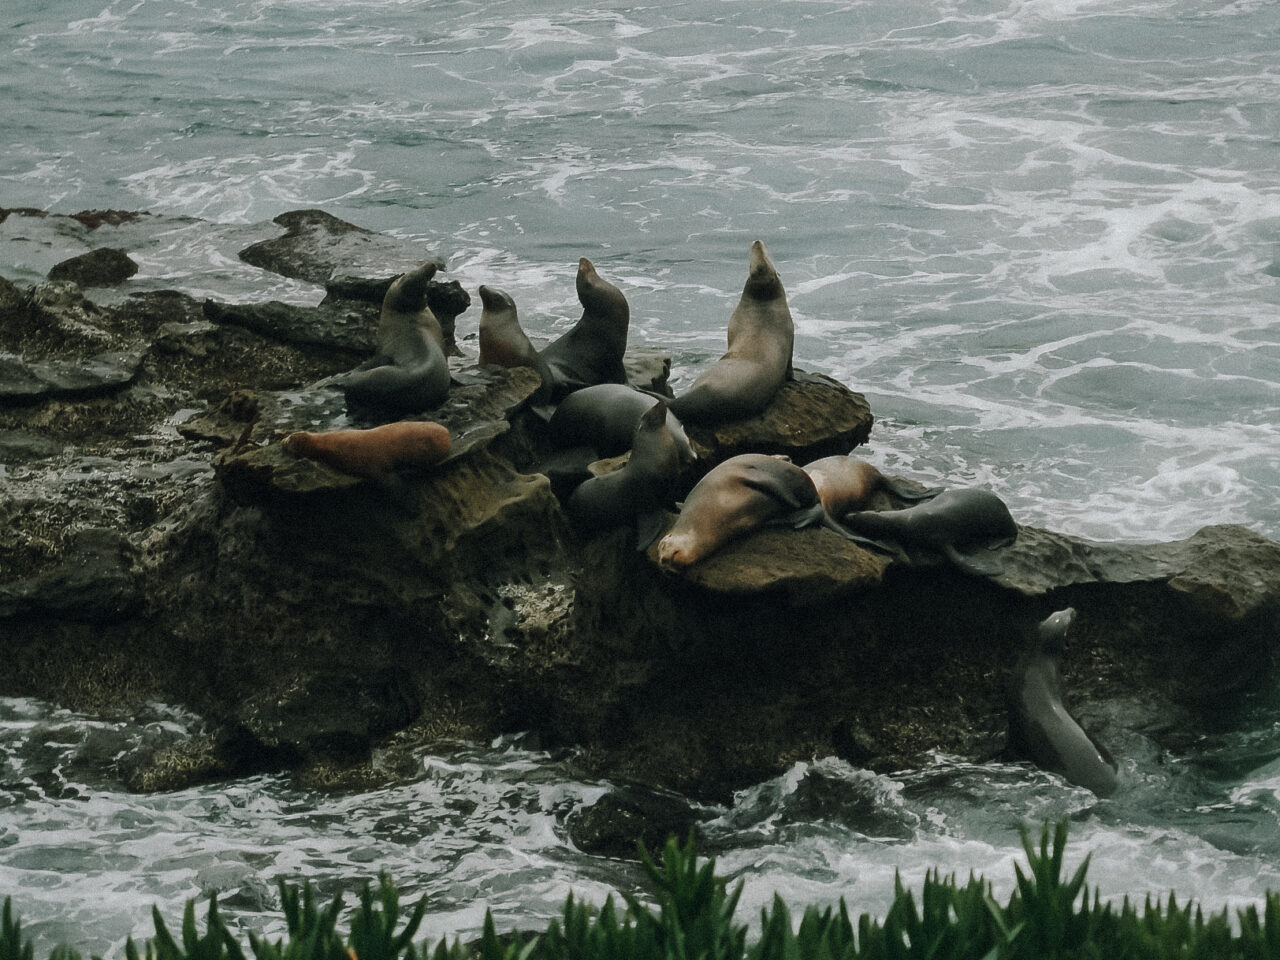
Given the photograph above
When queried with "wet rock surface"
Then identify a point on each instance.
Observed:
(158, 543)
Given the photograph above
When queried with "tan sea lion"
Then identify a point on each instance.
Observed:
(846, 483)
(377, 451)
(503, 342)
(408, 373)
(735, 498)
(761, 335)
(639, 490)
(590, 352)
(1041, 728)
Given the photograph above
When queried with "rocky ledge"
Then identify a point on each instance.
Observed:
(157, 542)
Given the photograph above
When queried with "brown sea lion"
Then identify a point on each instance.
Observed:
(590, 352)
(637, 491)
(377, 451)
(408, 372)
(736, 497)
(503, 342)
(761, 335)
(846, 483)
(1041, 728)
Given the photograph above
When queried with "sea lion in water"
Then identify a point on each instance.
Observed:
(845, 483)
(968, 526)
(736, 497)
(638, 490)
(605, 416)
(590, 352)
(408, 372)
(1040, 726)
(377, 451)
(503, 342)
(761, 335)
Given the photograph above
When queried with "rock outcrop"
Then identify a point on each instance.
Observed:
(158, 543)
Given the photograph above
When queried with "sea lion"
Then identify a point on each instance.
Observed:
(503, 342)
(638, 490)
(761, 335)
(605, 416)
(1040, 726)
(968, 526)
(590, 352)
(408, 372)
(377, 451)
(737, 497)
(845, 483)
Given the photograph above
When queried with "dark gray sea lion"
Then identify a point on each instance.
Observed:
(638, 490)
(504, 342)
(605, 416)
(1041, 728)
(968, 526)
(846, 483)
(737, 497)
(409, 372)
(591, 352)
(761, 335)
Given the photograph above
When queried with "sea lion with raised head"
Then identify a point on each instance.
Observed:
(638, 490)
(376, 452)
(969, 527)
(605, 416)
(1041, 727)
(408, 372)
(503, 342)
(845, 483)
(761, 335)
(591, 351)
(737, 497)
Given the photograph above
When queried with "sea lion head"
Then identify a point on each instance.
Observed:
(494, 299)
(762, 276)
(1053, 631)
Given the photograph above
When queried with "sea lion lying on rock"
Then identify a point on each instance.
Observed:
(377, 451)
(845, 484)
(739, 496)
(969, 527)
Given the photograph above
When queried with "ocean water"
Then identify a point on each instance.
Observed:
(1042, 237)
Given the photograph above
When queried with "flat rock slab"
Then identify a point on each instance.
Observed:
(24, 381)
(316, 246)
(350, 326)
(1227, 571)
(812, 416)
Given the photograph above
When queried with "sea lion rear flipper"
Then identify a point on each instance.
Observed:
(983, 560)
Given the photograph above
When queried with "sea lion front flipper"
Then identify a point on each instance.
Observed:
(905, 491)
(648, 527)
(543, 411)
(979, 561)
(878, 546)
(774, 486)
